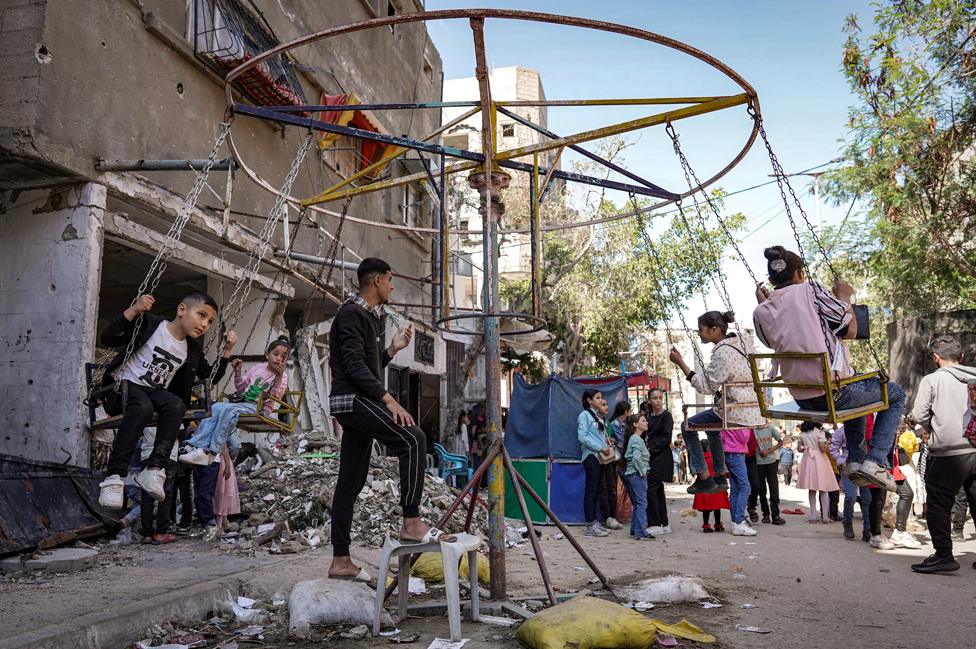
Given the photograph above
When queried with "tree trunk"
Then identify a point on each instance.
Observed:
(456, 392)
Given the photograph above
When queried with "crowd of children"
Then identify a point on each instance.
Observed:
(179, 472)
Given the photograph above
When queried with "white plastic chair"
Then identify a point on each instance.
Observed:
(451, 554)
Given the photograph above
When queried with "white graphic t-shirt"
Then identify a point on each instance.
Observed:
(154, 364)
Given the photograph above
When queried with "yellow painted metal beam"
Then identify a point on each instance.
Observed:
(394, 152)
(639, 101)
(579, 138)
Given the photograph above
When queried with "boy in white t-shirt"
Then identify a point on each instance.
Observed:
(166, 360)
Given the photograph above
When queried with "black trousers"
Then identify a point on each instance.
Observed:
(370, 420)
(944, 475)
(657, 504)
(904, 505)
(788, 474)
(205, 486)
(156, 517)
(595, 502)
(960, 509)
(142, 402)
(752, 469)
(769, 488)
(184, 494)
(609, 488)
(878, 497)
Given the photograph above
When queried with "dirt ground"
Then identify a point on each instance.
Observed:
(805, 582)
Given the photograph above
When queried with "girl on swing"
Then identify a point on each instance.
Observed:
(728, 364)
(220, 428)
(802, 316)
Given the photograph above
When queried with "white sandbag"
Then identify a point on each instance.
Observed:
(664, 589)
(330, 601)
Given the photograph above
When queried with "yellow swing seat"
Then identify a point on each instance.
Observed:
(791, 410)
(289, 405)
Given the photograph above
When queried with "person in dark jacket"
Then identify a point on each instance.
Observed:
(158, 371)
(660, 428)
(366, 411)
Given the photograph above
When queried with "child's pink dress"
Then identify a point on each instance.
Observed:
(815, 473)
(227, 501)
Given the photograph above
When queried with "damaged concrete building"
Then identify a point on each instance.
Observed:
(87, 117)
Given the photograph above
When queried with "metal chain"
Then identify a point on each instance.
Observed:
(243, 287)
(158, 266)
(692, 179)
(783, 180)
(675, 301)
(780, 177)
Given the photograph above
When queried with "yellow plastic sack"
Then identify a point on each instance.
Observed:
(484, 569)
(591, 623)
(430, 567)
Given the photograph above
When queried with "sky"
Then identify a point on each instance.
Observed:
(790, 52)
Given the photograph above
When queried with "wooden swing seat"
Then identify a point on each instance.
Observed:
(260, 422)
(791, 410)
(723, 411)
(114, 421)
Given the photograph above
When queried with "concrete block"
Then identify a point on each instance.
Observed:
(59, 560)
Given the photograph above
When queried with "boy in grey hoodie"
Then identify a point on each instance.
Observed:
(941, 405)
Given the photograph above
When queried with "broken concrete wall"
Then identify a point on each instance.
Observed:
(22, 58)
(128, 86)
(50, 244)
(908, 340)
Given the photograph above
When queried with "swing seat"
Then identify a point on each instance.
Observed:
(97, 398)
(289, 406)
(723, 411)
(792, 411)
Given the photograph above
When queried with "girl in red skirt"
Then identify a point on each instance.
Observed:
(711, 503)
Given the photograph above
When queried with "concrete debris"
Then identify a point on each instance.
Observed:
(295, 495)
(60, 560)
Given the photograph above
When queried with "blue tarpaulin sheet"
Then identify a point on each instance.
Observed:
(542, 417)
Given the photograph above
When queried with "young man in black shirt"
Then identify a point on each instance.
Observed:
(366, 411)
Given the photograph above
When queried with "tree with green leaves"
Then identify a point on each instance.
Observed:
(911, 157)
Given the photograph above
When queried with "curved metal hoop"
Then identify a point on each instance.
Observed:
(450, 14)
(539, 323)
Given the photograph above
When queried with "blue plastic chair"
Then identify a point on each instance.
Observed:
(452, 464)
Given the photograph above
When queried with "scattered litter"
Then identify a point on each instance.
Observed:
(251, 631)
(416, 586)
(643, 606)
(711, 605)
(667, 640)
(750, 543)
(578, 568)
(748, 606)
(753, 556)
(190, 640)
(356, 633)
(246, 602)
(558, 536)
(389, 633)
(666, 589)
(404, 639)
(279, 599)
(753, 629)
(441, 643)
(497, 620)
(249, 615)
(731, 543)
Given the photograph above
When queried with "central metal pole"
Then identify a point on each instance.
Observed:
(488, 182)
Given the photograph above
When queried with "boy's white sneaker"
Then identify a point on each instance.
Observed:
(655, 530)
(879, 542)
(742, 529)
(112, 490)
(196, 455)
(905, 540)
(151, 481)
(613, 524)
(665, 529)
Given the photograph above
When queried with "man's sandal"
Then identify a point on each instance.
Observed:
(432, 535)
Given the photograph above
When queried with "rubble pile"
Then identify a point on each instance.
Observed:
(287, 495)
